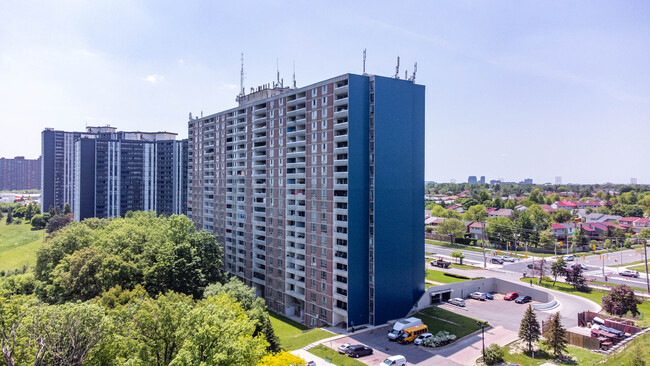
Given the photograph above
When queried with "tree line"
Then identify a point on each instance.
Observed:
(138, 290)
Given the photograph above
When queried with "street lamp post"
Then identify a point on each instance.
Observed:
(482, 325)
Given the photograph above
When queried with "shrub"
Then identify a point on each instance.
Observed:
(493, 354)
(457, 276)
(439, 339)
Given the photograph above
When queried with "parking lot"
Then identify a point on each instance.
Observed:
(505, 315)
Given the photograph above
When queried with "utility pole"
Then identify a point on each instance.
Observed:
(645, 253)
(483, 244)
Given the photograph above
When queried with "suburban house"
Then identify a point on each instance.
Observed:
(588, 204)
(598, 217)
(503, 212)
(564, 229)
(457, 208)
(477, 230)
(628, 221)
(642, 222)
(564, 205)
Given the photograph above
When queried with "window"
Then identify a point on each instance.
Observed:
(324, 89)
(281, 101)
(323, 275)
(281, 111)
(324, 172)
(281, 121)
(323, 229)
(323, 241)
(314, 148)
(272, 115)
(314, 92)
(324, 147)
(314, 103)
(323, 135)
(323, 285)
(314, 126)
(313, 159)
(314, 137)
(314, 114)
(313, 170)
(323, 159)
(323, 112)
(313, 274)
(324, 101)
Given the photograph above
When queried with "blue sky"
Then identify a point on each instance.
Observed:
(515, 89)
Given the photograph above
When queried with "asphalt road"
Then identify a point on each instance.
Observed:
(594, 263)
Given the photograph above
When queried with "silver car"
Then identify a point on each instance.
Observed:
(478, 295)
(418, 341)
(457, 301)
(629, 273)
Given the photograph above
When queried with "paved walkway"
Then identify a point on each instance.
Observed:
(305, 355)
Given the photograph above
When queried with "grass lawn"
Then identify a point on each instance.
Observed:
(294, 335)
(439, 276)
(434, 317)
(597, 297)
(337, 358)
(463, 266)
(582, 357)
(453, 246)
(624, 357)
(609, 284)
(635, 262)
(639, 268)
(18, 245)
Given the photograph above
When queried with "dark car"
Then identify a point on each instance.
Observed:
(496, 261)
(358, 350)
(523, 299)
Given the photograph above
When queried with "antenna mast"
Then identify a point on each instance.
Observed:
(415, 69)
(241, 81)
(294, 74)
(396, 69)
(364, 60)
(277, 68)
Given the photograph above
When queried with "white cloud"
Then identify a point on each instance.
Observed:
(153, 78)
(180, 61)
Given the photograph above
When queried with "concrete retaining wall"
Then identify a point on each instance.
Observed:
(494, 285)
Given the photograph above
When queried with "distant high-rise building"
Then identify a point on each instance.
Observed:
(482, 180)
(527, 181)
(20, 173)
(316, 195)
(472, 179)
(558, 180)
(633, 181)
(105, 173)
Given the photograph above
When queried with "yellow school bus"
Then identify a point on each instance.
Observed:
(409, 334)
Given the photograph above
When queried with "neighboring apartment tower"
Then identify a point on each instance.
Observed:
(20, 173)
(316, 195)
(105, 173)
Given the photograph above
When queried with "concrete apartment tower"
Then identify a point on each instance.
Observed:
(316, 195)
(20, 173)
(105, 173)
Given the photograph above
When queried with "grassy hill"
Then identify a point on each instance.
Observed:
(18, 245)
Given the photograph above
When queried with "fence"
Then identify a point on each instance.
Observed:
(577, 339)
(623, 325)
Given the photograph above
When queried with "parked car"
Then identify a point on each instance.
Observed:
(568, 258)
(478, 296)
(523, 299)
(488, 296)
(629, 273)
(401, 325)
(344, 348)
(397, 360)
(310, 363)
(510, 296)
(496, 260)
(457, 301)
(508, 259)
(422, 337)
(584, 267)
(358, 350)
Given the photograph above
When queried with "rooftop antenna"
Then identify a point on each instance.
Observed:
(364, 60)
(294, 74)
(396, 69)
(415, 69)
(241, 81)
(406, 74)
(277, 68)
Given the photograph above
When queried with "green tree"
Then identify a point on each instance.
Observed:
(500, 229)
(555, 336)
(218, 332)
(281, 358)
(484, 196)
(574, 276)
(547, 239)
(458, 254)
(66, 209)
(529, 330)
(561, 216)
(38, 222)
(452, 228)
(437, 211)
(57, 222)
(10, 218)
(475, 213)
(498, 203)
(558, 269)
(620, 301)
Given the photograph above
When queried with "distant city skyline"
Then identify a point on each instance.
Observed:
(514, 89)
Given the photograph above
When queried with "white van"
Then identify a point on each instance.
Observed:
(398, 360)
(401, 325)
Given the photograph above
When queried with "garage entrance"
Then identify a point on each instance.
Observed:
(440, 296)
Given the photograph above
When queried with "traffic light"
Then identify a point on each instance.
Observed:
(600, 256)
(526, 255)
(584, 256)
(499, 251)
(508, 244)
(560, 243)
(594, 247)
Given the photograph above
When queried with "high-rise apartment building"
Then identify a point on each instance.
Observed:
(105, 173)
(316, 195)
(472, 179)
(20, 173)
